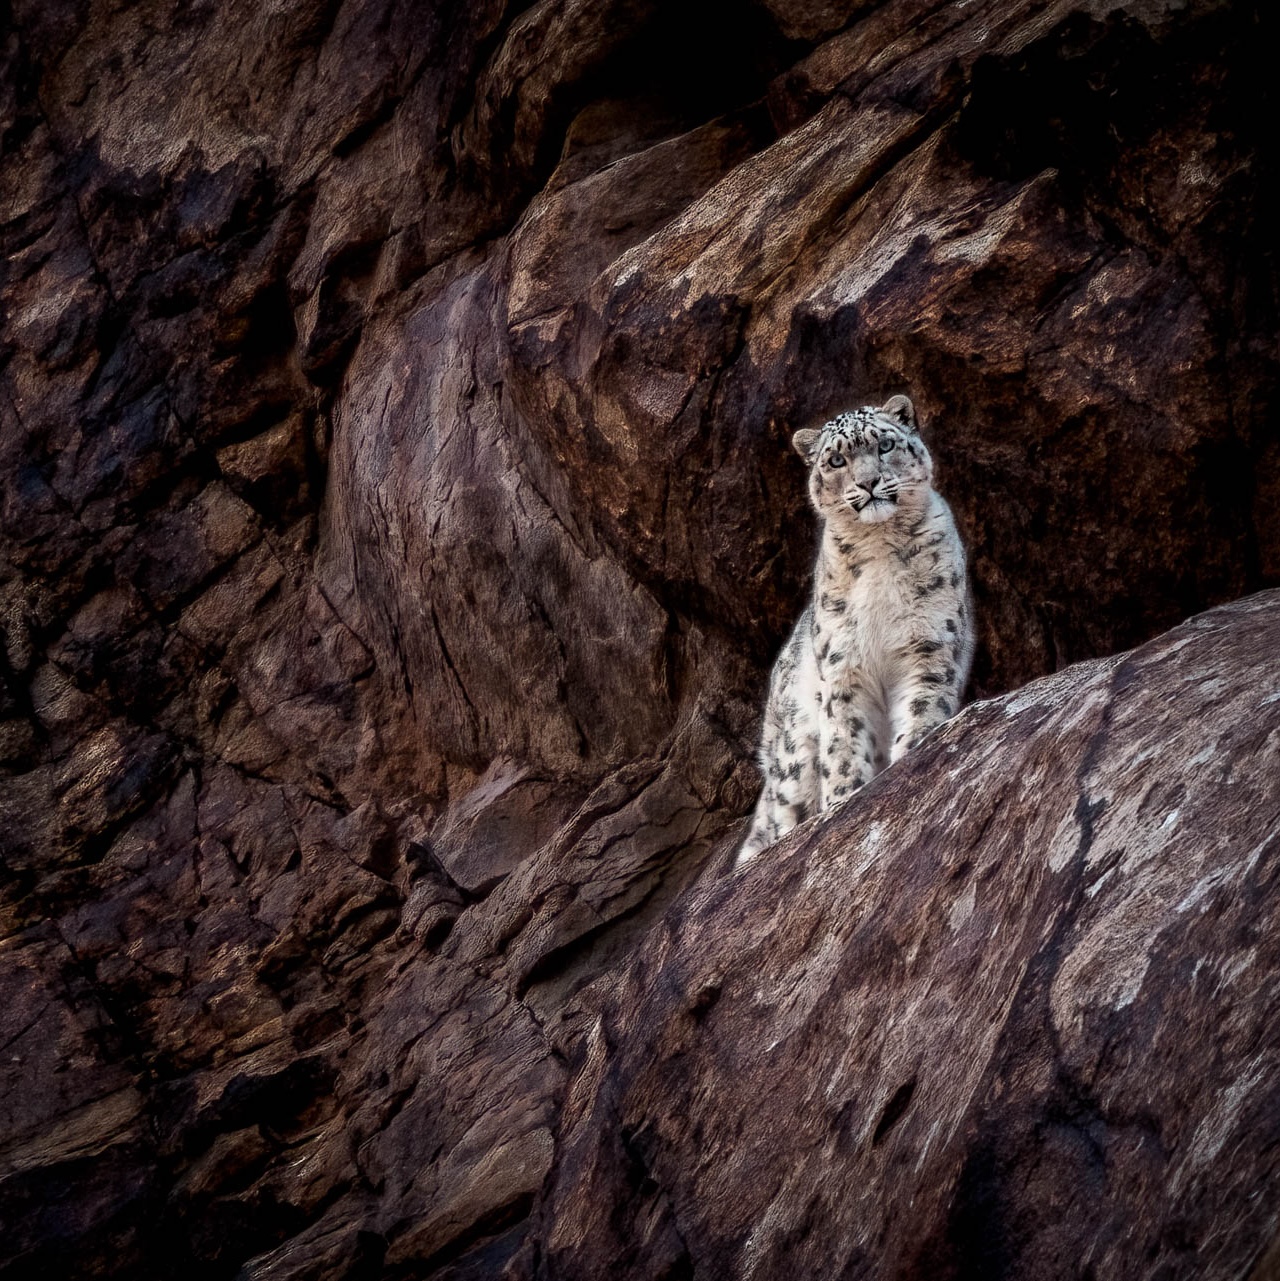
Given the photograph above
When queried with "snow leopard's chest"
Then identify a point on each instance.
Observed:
(874, 615)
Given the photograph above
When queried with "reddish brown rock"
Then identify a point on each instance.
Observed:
(397, 522)
(1008, 1013)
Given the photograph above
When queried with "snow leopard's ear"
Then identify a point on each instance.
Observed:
(900, 409)
(804, 441)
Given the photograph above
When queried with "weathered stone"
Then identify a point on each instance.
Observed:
(397, 521)
(1024, 984)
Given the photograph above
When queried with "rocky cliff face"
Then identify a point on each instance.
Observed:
(1021, 1024)
(398, 522)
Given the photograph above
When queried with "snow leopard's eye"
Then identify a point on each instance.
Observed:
(886, 445)
(835, 460)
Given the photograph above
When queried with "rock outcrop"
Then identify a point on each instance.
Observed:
(397, 522)
(1009, 1013)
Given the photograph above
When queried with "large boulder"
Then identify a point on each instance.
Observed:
(1010, 1012)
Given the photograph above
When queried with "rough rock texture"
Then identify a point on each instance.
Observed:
(1011, 1013)
(396, 525)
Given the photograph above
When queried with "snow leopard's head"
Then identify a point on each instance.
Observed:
(868, 464)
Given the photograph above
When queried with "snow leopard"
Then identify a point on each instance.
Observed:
(881, 654)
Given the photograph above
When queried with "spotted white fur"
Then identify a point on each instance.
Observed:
(881, 654)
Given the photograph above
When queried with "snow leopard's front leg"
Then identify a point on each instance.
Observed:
(928, 695)
(847, 746)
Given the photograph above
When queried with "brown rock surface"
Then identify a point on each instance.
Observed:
(397, 522)
(1009, 1013)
